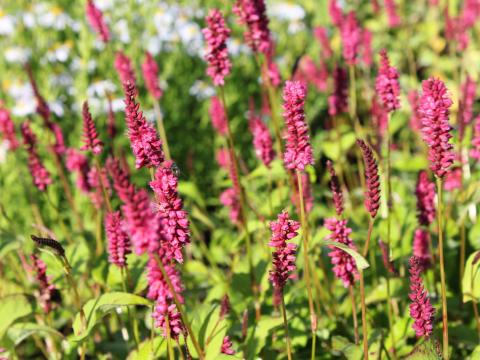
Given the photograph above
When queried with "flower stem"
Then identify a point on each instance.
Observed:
(477, 317)
(364, 316)
(354, 315)
(161, 129)
(313, 318)
(180, 308)
(369, 235)
(102, 185)
(285, 324)
(131, 314)
(442, 266)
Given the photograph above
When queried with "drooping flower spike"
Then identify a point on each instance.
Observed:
(96, 21)
(338, 101)
(118, 240)
(425, 193)
(386, 84)
(298, 151)
(216, 35)
(434, 111)
(90, 136)
(150, 76)
(283, 229)
(372, 179)
(335, 188)
(421, 310)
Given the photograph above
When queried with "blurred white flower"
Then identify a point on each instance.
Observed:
(104, 4)
(57, 107)
(59, 53)
(287, 11)
(101, 88)
(121, 29)
(17, 54)
(29, 20)
(4, 147)
(295, 27)
(237, 47)
(51, 16)
(7, 24)
(201, 90)
(24, 106)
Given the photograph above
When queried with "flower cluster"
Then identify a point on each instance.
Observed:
(40, 175)
(392, 15)
(123, 66)
(415, 118)
(216, 35)
(421, 248)
(150, 76)
(386, 84)
(351, 34)
(298, 152)
(231, 199)
(372, 179)
(78, 162)
(7, 129)
(170, 208)
(262, 140)
(90, 136)
(218, 116)
(344, 266)
(47, 292)
(338, 101)
(283, 230)
(434, 111)
(118, 241)
(425, 193)
(227, 346)
(465, 106)
(252, 14)
(335, 188)
(421, 310)
(96, 21)
(144, 140)
(475, 151)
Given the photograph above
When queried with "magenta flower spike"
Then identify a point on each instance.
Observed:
(415, 118)
(421, 310)
(78, 162)
(144, 140)
(421, 249)
(434, 111)
(425, 193)
(230, 199)
(465, 107)
(118, 240)
(47, 292)
(392, 14)
(321, 34)
(150, 76)
(252, 14)
(216, 35)
(335, 188)
(366, 47)
(218, 116)
(386, 84)
(227, 346)
(262, 140)
(344, 266)
(335, 12)
(96, 21)
(351, 34)
(90, 136)
(7, 129)
(124, 67)
(338, 101)
(283, 230)
(298, 151)
(40, 175)
(176, 231)
(372, 179)
(475, 151)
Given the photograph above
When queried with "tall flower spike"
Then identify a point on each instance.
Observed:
(170, 207)
(126, 73)
(252, 14)
(344, 266)
(434, 111)
(118, 241)
(283, 230)
(262, 140)
(421, 249)
(366, 45)
(386, 84)
(475, 151)
(465, 107)
(321, 35)
(216, 35)
(7, 129)
(335, 12)
(421, 310)
(425, 192)
(415, 119)
(337, 194)
(150, 76)
(350, 33)
(392, 15)
(372, 179)
(231, 199)
(218, 116)
(90, 136)
(144, 140)
(47, 292)
(96, 21)
(78, 162)
(298, 152)
(40, 175)
(338, 101)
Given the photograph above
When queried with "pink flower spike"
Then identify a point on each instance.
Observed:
(437, 132)
(123, 66)
(262, 140)
(335, 12)
(47, 293)
(367, 56)
(90, 136)
(386, 84)
(252, 14)
(421, 248)
(475, 151)
(415, 119)
(150, 76)
(453, 180)
(425, 192)
(230, 199)
(338, 101)
(392, 15)
(350, 33)
(78, 163)
(118, 241)
(421, 310)
(216, 35)
(283, 230)
(144, 140)
(465, 107)
(321, 35)
(335, 188)
(7, 129)
(372, 179)
(298, 151)
(176, 231)
(218, 116)
(96, 21)
(344, 266)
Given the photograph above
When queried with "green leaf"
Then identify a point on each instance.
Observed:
(149, 349)
(19, 332)
(12, 307)
(425, 351)
(342, 345)
(361, 262)
(97, 308)
(471, 279)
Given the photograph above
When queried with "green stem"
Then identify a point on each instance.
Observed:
(442, 267)
(285, 324)
(354, 315)
(161, 129)
(130, 314)
(313, 319)
(371, 220)
(364, 316)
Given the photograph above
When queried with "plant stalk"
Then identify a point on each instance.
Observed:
(285, 324)
(354, 315)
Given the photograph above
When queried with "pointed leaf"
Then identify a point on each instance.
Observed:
(361, 262)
